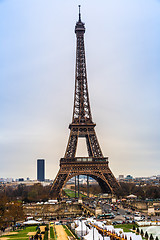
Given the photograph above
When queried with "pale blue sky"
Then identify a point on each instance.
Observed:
(37, 64)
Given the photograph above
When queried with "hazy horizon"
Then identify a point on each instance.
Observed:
(37, 69)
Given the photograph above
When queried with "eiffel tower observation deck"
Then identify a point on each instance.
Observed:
(82, 126)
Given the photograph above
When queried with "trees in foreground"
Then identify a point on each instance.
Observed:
(10, 211)
(34, 193)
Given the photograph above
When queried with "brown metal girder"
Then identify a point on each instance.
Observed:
(89, 173)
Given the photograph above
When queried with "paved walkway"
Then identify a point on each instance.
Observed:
(7, 233)
(61, 234)
(7, 230)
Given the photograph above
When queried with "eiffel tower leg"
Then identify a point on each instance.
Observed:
(115, 186)
(108, 182)
(58, 184)
(72, 145)
(93, 145)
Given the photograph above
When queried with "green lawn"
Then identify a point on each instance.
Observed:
(67, 231)
(52, 234)
(125, 227)
(21, 234)
(71, 193)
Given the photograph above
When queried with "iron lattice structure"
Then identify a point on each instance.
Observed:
(96, 165)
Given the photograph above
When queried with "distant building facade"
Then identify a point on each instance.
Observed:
(41, 170)
(129, 178)
(121, 177)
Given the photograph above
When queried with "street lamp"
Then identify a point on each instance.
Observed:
(86, 227)
(103, 230)
(93, 229)
(81, 228)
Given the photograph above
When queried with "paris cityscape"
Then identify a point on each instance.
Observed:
(80, 120)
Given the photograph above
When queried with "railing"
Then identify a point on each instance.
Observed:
(84, 159)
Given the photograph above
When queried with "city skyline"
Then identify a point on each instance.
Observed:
(37, 83)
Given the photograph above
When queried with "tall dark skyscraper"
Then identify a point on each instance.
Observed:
(41, 170)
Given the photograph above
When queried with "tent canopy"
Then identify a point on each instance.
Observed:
(132, 196)
(31, 222)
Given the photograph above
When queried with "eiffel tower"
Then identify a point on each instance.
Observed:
(82, 126)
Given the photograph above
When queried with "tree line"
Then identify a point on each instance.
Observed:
(38, 192)
(142, 192)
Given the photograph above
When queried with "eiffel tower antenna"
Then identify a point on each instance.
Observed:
(95, 165)
(79, 13)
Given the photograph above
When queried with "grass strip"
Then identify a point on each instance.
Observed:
(125, 227)
(71, 193)
(73, 232)
(21, 234)
(46, 235)
(67, 231)
(52, 234)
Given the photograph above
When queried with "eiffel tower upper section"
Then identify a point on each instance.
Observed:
(82, 124)
(82, 111)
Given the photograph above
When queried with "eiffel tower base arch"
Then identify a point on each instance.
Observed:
(98, 169)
